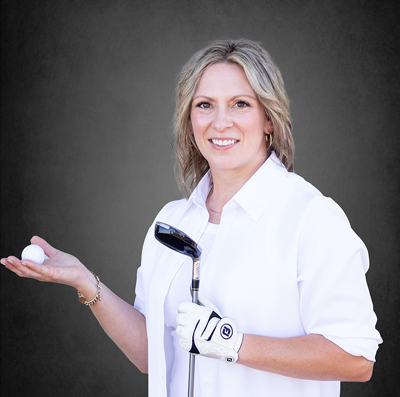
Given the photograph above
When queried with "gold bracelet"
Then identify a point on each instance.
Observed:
(95, 299)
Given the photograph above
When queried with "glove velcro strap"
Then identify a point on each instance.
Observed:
(227, 335)
(213, 315)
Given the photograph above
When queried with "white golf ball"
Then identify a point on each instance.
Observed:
(33, 253)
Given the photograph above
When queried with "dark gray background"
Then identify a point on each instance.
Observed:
(87, 97)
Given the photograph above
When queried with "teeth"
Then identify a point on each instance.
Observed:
(220, 142)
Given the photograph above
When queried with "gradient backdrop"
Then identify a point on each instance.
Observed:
(87, 97)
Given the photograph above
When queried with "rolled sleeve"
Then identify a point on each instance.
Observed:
(139, 291)
(334, 296)
(140, 300)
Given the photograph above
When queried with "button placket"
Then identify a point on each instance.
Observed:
(206, 368)
(217, 251)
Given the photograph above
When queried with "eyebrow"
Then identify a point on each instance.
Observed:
(234, 97)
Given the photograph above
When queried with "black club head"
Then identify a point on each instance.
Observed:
(176, 240)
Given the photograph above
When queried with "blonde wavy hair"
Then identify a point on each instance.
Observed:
(266, 81)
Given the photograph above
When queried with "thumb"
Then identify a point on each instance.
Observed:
(205, 302)
(47, 248)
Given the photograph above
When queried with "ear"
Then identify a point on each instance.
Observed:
(268, 126)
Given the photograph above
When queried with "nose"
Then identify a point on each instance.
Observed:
(222, 120)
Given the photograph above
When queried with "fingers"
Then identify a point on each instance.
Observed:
(189, 307)
(47, 248)
(182, 319)
(195, 324)
(185, 334)
(189, 317)
(185, 337)
(187, 320)
(185, 316)
(205, 302)
(11, 263)
(27, 269)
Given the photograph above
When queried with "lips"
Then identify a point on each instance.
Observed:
(223, 142)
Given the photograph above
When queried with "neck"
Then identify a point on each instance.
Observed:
(226, 183)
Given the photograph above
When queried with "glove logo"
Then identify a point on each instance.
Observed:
(226, 331)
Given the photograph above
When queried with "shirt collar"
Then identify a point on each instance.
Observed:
(200, 193)
(256, 194)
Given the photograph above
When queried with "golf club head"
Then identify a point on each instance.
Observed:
(176, 240)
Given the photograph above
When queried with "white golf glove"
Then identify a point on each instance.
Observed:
(203, 331)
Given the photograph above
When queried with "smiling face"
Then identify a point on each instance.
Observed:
(228, 122)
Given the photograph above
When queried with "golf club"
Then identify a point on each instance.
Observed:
(182, 243)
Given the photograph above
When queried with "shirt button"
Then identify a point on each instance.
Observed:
(233, 205)
(207, 383)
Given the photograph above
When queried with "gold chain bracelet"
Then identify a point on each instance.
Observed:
(95, 299)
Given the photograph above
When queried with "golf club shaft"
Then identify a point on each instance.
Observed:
(191, 375)
(195, 299)
(178, 241)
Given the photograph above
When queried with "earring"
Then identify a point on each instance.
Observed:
(268, 138)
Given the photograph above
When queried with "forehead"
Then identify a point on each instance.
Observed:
(224, 77)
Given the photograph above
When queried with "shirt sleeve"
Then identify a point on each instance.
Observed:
(148, 260)
(140, 293)
(334, 296)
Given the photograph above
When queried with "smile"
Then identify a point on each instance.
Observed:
(225, 142)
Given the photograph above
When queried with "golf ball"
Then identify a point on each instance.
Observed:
(33, 253)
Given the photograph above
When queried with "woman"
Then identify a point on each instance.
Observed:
(279, 261)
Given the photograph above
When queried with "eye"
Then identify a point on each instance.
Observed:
(204, 105)
(242, 104)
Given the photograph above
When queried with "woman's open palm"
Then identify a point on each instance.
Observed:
(59, 267)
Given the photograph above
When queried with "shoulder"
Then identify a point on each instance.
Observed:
(289, 184)
(316, 205)
(172, 210)
(305, 206)
(296, 195)
(298, 186)
(325, 228)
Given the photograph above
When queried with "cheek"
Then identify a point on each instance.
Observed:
(193, 122)
(198, 125)
(254, 126)
(200, 141)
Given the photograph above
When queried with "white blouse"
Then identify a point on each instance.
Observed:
(285, 262)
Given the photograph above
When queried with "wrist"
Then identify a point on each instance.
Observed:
(85, 281)
(89, 293)
(238, 343)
